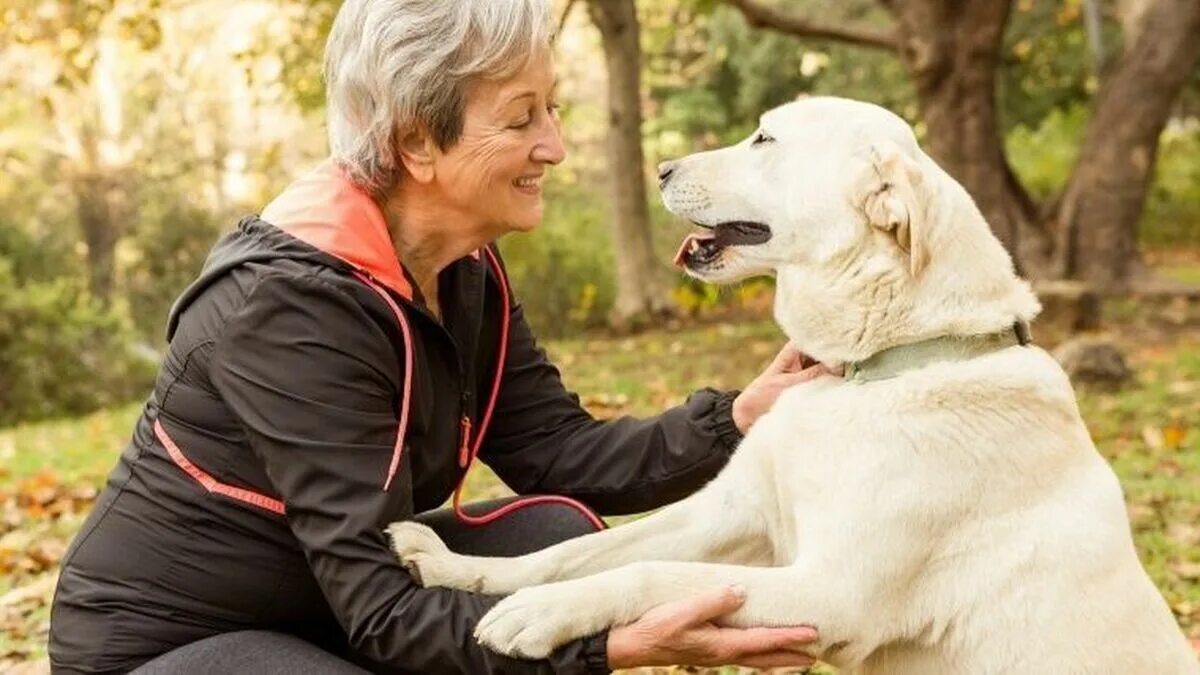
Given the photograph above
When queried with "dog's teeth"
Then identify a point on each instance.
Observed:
(693, 246)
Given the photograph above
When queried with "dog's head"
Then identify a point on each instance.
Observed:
(837, 199)
(818, 176)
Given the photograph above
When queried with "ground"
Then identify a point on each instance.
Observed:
(1150, 431)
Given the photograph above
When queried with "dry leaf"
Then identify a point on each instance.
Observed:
(1141, 516)
(39, 591)
(1186, 569)
(47, 553)
(1152, 436)
(1183, 387)
(1184, 533)
(1173, 436)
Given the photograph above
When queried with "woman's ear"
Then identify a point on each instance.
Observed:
(895, 200)
(417, 152)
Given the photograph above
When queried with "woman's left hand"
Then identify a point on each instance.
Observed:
(790, 367)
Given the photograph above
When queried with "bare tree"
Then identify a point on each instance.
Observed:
(1095, 224)
(90, 139)
(641, 287)
(952, 51)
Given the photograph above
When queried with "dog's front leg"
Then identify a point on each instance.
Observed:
(535, 621)
(727, 521)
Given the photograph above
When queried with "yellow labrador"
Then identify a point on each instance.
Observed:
(941, 509)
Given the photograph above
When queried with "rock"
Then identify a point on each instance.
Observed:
(1093, 360)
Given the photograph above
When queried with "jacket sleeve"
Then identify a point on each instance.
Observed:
(541, 440)
(312, 375)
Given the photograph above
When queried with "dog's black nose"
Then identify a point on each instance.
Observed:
(664, 173)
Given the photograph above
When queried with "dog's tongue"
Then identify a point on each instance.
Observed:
(689, 242)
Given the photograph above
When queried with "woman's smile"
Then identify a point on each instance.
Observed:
(529, 185)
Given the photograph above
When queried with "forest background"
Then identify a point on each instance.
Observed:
(134, 132)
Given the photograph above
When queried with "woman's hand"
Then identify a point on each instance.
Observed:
(683, 633)
(790, 367)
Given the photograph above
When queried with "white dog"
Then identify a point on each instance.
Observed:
(940, 509)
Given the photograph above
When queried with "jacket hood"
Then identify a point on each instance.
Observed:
(321, 214)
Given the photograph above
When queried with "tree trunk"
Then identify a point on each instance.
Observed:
(1096, 224)
(641, 289)
(100, 205)
(952, 51)
(97, 205)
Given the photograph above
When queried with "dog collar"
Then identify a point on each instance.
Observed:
(895, 360)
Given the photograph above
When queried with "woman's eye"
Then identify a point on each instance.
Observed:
(551, 110)
(761, 137)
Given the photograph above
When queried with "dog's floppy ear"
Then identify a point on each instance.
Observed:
(895, 199)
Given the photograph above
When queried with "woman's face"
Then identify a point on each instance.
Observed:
(511, 134)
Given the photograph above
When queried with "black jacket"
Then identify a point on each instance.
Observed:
(306, 400)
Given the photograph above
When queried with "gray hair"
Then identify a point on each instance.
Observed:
(394, 66)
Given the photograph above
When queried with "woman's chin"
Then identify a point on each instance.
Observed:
(526, 222)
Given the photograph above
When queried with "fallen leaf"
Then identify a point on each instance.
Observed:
(47, 553)
(1152, 436)
(8, 448)
(1169, 468)
(1141, 516)
(1184, 387)
(37, 590)
(1173, 436)
(1182, 608)
(1186, 569)
(1186, 534)
(41, 667)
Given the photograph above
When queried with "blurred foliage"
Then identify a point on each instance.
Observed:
(563, 272)
(1047, 66)
(1172, 216)
(200, 111)
(302, 63)
(710, 75)
(61, 352)
(1043, 156)
(165, 254)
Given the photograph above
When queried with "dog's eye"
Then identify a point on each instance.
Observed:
(761, 137)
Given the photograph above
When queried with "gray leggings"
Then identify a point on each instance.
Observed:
(267, 653)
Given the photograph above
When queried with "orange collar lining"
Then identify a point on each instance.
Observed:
(326, 211)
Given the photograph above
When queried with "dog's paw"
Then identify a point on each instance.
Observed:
(426, 557)
(535, 621)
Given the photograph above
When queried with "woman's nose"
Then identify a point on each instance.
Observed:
(549, 148)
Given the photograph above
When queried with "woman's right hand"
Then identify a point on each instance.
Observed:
(684, 633)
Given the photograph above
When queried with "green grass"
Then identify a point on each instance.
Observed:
(1150, 431)
(1151, 435)
(76, 450)
(1188, 274)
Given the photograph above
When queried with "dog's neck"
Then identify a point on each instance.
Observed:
(895, 361)
(865, 300)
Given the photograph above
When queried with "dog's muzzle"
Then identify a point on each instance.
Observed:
(701, 249)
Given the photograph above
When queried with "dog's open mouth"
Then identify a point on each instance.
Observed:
(701, 248)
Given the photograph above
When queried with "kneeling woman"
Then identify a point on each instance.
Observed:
(338, 365)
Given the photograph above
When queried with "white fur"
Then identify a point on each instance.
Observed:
(955, 519)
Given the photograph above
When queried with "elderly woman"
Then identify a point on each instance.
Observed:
(338, 365)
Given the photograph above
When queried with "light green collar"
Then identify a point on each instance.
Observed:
(895, 360)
